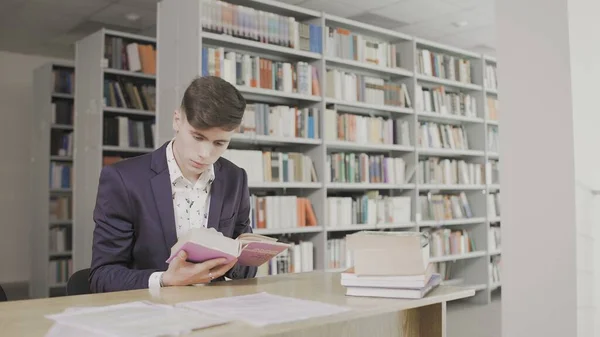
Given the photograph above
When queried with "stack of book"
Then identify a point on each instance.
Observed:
(389, 264)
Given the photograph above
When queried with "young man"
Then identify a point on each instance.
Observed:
(145, 203)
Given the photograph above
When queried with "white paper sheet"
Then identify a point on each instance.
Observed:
(134, 319)
(264, 309)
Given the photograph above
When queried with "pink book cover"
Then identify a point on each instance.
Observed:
(197, 253)
(255, 254)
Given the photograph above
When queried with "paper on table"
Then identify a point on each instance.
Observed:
(263, 309)
(136, 319)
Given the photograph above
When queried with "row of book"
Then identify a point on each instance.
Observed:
(435, 170)
(370, 208)
(490, 79)
(61, 143)
(63, 81)
(123, 93)
(445, 102)
(444, 242)
(267, 166)
(60, 207)
(493, 139)
(257, 72)
(495, 238)
(61, 175)
(123, 131)
(493, 204)
(60, 270)
(493, 167)
(365, 129)
(63, 112)
(439, 207)
(493, 105)
(299, 258)
(125, 54)
(280, 121)
(365, 168)
(59, 239)
(284, 211)
(352, 87)
(348, 45)
(442, 136)
(338, 256)
(444, 66)
(261, 26)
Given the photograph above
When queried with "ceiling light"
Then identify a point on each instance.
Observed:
(132, 16)
(460, 24)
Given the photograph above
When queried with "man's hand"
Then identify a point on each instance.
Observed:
(183, 273)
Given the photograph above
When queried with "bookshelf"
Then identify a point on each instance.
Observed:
(422, 120)
(52, 172)
(115, 104)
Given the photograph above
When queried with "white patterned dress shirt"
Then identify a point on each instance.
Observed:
(191, 201)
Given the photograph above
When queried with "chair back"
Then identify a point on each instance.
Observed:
(78, 283)
(2, 295)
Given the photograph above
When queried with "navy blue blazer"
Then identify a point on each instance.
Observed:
(135, 221)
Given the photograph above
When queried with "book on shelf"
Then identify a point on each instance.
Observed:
(59, 270)
(64, 81)
(442, 136)
(338, 256)
(273, 212)
(493, 108)
(434, 170)
(61, 143)
(364, 168)
(444, 66)
(60, 207)
(494, 238)
(493, 139)
(203, 244)
(370, 208)
(492, 172)
(123, 131)
(495, 269)
(268, 166)
(261, 26)
(61, 175)
(299, 258)
(439, 207)
(445, 101)
(444, 242)
(247, 70)
(280, 121)
(129, 54)
(490, 79)
(63, 112)
(493, 204)
(353, 87)
(123, 93)
(365, 129)
(345, 44)
(59, 239)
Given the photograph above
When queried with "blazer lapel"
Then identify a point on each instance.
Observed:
(216, 199)
(163, 197)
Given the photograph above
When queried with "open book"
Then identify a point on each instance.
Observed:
(202, 244)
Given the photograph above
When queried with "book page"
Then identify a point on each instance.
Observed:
(135, 319)
(264, 309)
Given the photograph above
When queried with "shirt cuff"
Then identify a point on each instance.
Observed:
(154, 281)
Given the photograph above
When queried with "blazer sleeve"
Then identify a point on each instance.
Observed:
(242, 225)
(114, 237)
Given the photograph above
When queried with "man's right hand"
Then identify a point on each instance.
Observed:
(183, 273)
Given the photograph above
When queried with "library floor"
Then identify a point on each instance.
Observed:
(471, 320)
(464, 320)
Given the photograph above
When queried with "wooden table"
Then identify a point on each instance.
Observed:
(370, 316)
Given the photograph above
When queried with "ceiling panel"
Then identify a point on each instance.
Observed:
(332, 7)
(467, 4)
(413, 11)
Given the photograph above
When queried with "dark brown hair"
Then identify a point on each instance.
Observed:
(210, 102)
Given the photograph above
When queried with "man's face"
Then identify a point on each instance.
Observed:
(195, 149)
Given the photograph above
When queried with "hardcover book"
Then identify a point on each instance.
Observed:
(202, 244)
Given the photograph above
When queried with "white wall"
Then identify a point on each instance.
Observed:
(16, 77)
(551, 166)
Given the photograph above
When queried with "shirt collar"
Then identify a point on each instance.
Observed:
(175, 173)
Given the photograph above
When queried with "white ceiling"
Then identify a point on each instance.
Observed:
(50, 27)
